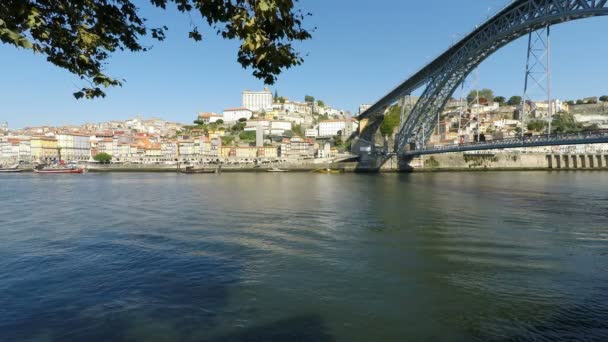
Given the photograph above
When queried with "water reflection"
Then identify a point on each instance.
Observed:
(456, 256)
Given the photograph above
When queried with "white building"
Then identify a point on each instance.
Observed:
(279, 127)
(235, 114)
(311, 133)
(294, 107)
(363, 108)
(482, 109)
(209, 117)
(73, 146)
(257, 100)
(252, 125)
(541, 109)
(330, 128)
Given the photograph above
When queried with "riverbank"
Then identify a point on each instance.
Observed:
(306, 167)
(460, 162)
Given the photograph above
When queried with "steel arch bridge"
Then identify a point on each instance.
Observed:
(444, 74)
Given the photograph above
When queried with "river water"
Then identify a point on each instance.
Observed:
(304, 257)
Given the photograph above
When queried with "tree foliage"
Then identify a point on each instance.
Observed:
(500, 99)
(391, 121)
(237, 127)
(604, 98)
(102, 157)
(487, 94)
(537, 125)
(81, 35)
(320, 103)
(565, 123)
(514, 101)
(247, 135)
(309, 99)
(298, 130)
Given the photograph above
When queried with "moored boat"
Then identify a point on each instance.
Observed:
(276, 169)
(10, 170)
(14, 168)
(55, 170)
(191, 169)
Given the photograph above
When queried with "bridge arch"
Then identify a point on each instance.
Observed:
(443, 75)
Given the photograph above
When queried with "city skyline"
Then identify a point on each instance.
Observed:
(346, 65)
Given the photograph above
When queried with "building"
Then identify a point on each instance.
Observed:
(252, 125)
(330, 128)
(74, 146)
(257, 100)
(44, 148)
(235, 114)
(25, 150)
(311, 133)
(268, 152)
(541, 109)
(363, 108)
(9, 148)
(294, 107)
(209, 117)
(297, 147)
(279, 127)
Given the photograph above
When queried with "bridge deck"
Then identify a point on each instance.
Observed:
(532, 141)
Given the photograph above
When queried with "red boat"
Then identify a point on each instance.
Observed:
(60, 170)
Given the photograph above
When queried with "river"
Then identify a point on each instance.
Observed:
(304, 257)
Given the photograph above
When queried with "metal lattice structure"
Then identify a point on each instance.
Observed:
(444, 74)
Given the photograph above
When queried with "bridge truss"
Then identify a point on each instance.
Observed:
(444, 74)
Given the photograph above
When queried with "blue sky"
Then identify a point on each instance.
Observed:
(360, 50)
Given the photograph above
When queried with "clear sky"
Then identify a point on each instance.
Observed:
(359, 51)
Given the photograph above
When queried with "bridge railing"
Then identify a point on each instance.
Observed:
(527, 141)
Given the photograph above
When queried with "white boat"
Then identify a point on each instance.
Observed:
(14, 168)
(275, 169)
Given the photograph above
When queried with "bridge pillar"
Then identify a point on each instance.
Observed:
(549, 161)
(566, 161)
(574, 162)
(583, 162)
(599, 161)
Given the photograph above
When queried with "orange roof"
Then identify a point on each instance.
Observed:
(208, 115)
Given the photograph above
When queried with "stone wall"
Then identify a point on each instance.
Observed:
(508, 161)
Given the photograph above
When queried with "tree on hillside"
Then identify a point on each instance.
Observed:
(537, 125)
(309, 99)
(298, 130)
(103, 158)
(571, 103)
(500, 99)
(565, 123)
(485, 93)
(514, 101)
(320, 103)
(604, 98)
(81, 35)
(276, 96)
(247, 135)
(391, 121)
(580, 102)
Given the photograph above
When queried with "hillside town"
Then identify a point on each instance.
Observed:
(481, 116)
(265, 128)
(268, 128)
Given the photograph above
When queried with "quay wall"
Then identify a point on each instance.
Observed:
(498, 162)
